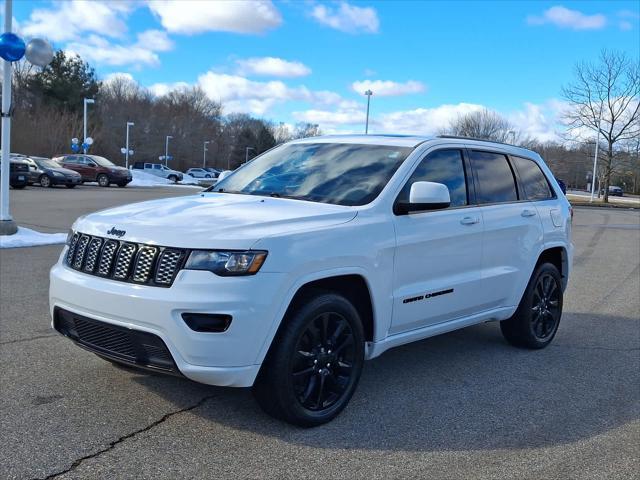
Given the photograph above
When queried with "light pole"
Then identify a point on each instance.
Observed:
(166, 150)
(204, 153)
(84, 138)
(595, 157)
(246, 153)
(7, 225)
(126, 155)
(368, 93)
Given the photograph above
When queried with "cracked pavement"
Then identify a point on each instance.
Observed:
(461, 405)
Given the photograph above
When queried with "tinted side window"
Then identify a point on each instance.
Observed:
(441, 166)
(495, 178)
(533, 180)
(157, 167)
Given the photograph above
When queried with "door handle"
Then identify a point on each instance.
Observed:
(528, 213)
(470, 220)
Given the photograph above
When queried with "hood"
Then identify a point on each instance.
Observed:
(213, 220)
(66, 171)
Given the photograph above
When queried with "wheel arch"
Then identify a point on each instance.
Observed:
(351, 284)
(558, 256)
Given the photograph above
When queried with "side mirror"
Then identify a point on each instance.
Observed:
(224, 174)
(92, 165)
(425, 196)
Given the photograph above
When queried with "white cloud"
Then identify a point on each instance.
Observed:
(99, 50)
(155, 40)
(537, 121)
(190, 17)
(625, 25)
(272, 67)
(387, 88)
(160, 89)
(118, 76)
(67, 20)
(566, 18)
(347, 18)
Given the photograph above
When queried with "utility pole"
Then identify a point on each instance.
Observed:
(7, 225)
(166, 150)
(246, 153)
(368, 93)
(204, 154)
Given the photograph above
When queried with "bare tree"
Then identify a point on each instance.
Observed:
(484, 124)
(605, 97)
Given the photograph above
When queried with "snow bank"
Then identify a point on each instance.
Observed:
(26, 237)
(143, 179)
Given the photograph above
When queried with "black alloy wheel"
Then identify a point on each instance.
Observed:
(315, 361)
(535, 322)
(323, 364)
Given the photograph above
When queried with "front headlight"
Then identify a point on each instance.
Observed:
(226, 263)
(57, 174)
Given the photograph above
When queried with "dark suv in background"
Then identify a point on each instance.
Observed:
(94, 168)
(18, 171)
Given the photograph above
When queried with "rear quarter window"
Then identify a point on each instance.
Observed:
(532, 179)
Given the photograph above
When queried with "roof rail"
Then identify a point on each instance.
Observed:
(462, 137)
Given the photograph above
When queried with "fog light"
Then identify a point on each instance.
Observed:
(207, 322)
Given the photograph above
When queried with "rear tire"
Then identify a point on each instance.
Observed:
(103, 180)
(314, 363)
(172, 178)
(536, 321)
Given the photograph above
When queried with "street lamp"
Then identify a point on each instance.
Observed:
(204, 153)
(595, 158)
(246, 153)
(166, 150)
(368, 93)
(84, 138)
(126, 155)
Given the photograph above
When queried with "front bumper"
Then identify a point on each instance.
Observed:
(66, 180)
(229, 358)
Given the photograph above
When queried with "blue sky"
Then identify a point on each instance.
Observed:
(426, 62)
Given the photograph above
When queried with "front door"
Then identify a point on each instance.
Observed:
(438, 256)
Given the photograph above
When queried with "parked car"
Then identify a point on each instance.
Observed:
(614, 191)
(18, 171)
(288, 274)
(199, 173)
(48, 173)
(94, 168)
(214, 171)
(159, 170)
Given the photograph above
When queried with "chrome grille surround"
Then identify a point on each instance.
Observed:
(124, 261)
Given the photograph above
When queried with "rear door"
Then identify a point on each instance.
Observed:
(512, 229)
(438, 255)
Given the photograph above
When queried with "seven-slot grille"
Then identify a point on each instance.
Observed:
(124, 261)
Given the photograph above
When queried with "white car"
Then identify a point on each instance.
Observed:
(315, 256)
(159, 170)
(199, 173)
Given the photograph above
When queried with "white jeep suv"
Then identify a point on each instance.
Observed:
(315, 256)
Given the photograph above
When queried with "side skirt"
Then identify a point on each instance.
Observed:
(375, 349)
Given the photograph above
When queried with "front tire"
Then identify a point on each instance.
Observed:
(103, 180)
(536, 321)
(172, 178)
(45, 181)
(315, 362)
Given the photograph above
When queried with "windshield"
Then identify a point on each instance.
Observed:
(343, 174)
(45, 163)
(102, 161)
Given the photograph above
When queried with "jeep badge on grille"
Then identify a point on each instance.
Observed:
(118, 233)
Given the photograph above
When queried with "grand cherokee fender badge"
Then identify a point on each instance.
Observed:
(427, 296)
(118, 233)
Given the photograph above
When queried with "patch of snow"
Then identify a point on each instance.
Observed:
(26, 237)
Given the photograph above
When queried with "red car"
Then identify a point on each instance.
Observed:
(94, 168)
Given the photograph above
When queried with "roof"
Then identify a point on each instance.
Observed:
(392, 140)
(413, 141)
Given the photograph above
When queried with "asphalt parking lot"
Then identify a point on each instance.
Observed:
(462, 405)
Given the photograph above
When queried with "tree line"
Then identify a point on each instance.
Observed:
(48, 113)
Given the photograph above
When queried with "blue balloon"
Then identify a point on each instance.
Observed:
(75, 147)
(12, 47)
(85, 146)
